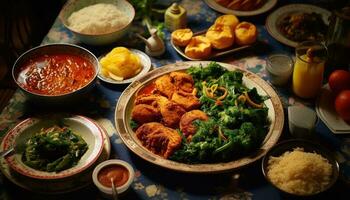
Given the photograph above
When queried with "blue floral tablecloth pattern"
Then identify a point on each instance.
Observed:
(152, 182)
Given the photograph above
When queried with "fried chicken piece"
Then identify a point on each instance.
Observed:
(143, 113)
(186, 100)
(183, 81)
(171, 112)
(186, 126)
(165, 85)
(159, 139)
(147, 99)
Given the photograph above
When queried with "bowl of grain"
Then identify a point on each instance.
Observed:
(300, 168)
(98, 22)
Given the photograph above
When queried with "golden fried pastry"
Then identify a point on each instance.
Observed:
(143, 113)
(186, 100)
(165, 85)
(198, 48)
(245, 33)
(183, 81)
(220, 36)
(228, 20)
(181, 37)
(171, 112)
(186, 126)
(159, 139)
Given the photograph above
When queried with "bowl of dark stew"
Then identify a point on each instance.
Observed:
(55, 73)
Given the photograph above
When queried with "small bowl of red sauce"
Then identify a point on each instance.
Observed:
(55, 73)
(120, 171)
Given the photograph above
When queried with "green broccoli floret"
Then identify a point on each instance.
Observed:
(242, 138)
(212, 71)
(247, 135)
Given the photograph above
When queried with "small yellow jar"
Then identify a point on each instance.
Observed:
(308, 69)
(175, 17)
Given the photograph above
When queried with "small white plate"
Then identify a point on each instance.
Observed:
(274, 19)
(326, 112)
(264, 8)
(146, 66)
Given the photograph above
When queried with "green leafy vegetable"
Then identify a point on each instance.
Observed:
(54, 149)
(235, 126)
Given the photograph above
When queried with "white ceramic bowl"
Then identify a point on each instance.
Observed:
(98, 39)
(80, 125)
(107, 191)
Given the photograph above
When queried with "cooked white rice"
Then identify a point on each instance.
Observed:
(97, 19)
(299, 172)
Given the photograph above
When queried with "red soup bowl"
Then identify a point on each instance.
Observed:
(56, 73)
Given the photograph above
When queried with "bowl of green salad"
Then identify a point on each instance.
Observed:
(53, 147)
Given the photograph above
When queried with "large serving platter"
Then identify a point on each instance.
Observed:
(125, 105)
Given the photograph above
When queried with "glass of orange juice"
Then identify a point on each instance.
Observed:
(309, 68)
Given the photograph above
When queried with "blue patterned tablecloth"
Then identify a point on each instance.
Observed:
(153, 182)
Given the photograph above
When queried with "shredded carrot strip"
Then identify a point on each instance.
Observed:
(224, 95)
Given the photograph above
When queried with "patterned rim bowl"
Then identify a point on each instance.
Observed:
(80, 125)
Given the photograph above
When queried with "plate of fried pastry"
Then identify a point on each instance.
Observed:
(199, 117)
(241, 7)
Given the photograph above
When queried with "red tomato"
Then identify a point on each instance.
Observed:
(342, 105)
(339, 80)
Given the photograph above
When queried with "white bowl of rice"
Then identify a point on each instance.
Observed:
(97, 22)
(300, 168)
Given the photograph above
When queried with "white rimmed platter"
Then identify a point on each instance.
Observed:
(268, 5)
(57, 186)
(125, 104)
(326, 112)
(146, 65)
(275, 18)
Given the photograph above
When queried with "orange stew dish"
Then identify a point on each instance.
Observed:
(55, 74)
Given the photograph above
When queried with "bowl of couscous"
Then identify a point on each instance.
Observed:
(98, 22)
(300, 167)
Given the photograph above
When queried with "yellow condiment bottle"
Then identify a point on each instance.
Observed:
(175, 17)
(308, 69)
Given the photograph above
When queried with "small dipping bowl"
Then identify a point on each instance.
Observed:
(111, 165)
(280, 68)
